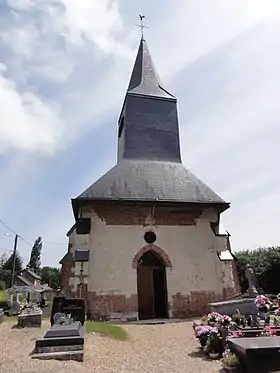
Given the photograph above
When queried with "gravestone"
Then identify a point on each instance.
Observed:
(2, 315)
(15, 309)
(245, 303)
(74, 306)
(252, 291)
(65, 339)
(30, 317)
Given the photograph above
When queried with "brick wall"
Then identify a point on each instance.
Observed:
(66, 272)
(103, 306)
(141, 215)
(196, 303)
(109, 305)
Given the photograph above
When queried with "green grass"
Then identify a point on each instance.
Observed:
(107, 329)
(113, 331)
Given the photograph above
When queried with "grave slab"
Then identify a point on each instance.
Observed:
(30, 317)
(251, 352)
(71, 330)
(62, 355)
(65, 342)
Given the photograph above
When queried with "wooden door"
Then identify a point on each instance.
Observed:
(160, 293)
(145, 289)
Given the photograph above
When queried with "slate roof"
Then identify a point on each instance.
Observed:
(32, 273)
(145, 79)
(65, 258)
(81, 255)
(71, 230)
(24, 280)
(150, 181)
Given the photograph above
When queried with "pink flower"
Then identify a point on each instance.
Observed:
(277, 312)
(236, 334)
(269, 331)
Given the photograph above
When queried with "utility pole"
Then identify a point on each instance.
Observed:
(14, 260)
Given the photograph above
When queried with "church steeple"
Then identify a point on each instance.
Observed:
(144, 79)
(149, 166)
(148, 124)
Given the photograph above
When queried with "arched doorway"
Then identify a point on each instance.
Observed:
(151, 287)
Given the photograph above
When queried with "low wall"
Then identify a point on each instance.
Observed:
(246, 306)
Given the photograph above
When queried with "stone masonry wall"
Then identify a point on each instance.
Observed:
(110, 297)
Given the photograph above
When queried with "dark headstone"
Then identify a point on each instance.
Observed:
(70, 330)
(252, 351)
(1, 315)
(74, 306)
(63, 342)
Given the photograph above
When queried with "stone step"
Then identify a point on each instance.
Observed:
(64, 356)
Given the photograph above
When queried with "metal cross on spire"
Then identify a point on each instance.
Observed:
(142, 26)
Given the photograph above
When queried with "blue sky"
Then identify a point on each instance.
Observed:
(64, 68)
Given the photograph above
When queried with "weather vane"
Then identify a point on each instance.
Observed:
(142, 26)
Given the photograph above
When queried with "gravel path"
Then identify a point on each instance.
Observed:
(151, 348)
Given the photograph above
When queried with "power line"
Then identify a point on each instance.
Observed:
(24, 240)
(14, 232)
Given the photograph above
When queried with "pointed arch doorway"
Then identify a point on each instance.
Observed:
(151, 287)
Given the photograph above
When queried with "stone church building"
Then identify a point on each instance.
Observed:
(147, 242)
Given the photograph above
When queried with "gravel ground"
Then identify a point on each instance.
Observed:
(151, 348)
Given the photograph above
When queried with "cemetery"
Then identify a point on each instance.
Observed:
(244, 339)
(247, 341)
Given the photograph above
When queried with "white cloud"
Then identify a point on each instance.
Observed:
(27, 123)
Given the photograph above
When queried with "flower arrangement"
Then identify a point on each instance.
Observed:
(202, 333)
(262, 302)
(268, 332)
(225, 321)
(214, 343)
(214, 318)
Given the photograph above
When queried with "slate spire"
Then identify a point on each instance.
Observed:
(148, 124)
(145, 79)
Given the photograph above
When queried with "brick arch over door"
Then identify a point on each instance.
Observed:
(156, 249)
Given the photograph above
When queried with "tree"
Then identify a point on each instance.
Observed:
(35, 256)
(51, 276)
(266, 263)
(6, 268)
(8, 264)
